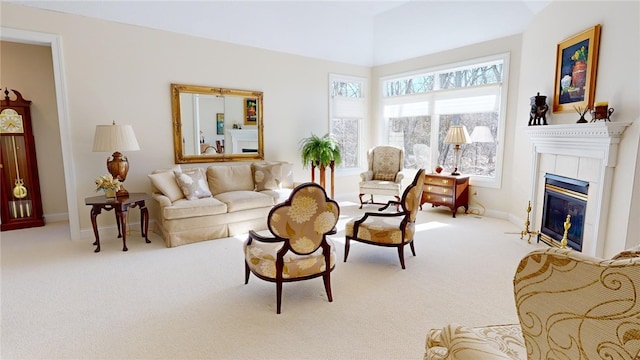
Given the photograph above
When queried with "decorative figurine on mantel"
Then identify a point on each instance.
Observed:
(539, 110)
(581, 111)
(601, 111)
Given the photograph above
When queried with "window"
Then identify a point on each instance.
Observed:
(347, 110)
(419, 108)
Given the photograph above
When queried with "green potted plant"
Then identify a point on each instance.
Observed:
(320, 152)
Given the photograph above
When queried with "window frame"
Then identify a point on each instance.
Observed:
(362, 120)
(437, 94)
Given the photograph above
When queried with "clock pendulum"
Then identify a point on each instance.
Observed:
(19, 190)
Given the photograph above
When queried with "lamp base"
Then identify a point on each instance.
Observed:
(122, 192)
(455, 172)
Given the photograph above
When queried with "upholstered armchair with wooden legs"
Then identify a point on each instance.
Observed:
(391, 229)
(384, 175)
(299, 248)
(570, 306)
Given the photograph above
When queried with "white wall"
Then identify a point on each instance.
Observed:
(617, 82)
(121, 72)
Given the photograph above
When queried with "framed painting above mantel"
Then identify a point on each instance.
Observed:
(576, 67)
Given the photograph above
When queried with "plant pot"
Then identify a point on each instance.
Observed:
(109, 193)
(579, 74)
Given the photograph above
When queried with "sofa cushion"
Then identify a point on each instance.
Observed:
(165, 182)
(225, 178)
(192, 183)
(243, 200)
(184, 208)
(278, 195)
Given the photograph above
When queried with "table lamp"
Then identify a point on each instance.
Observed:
(116, 138)
(457, 135)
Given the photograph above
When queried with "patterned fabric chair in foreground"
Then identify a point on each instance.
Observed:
(299, 249)
(391, 229)
(570, 306)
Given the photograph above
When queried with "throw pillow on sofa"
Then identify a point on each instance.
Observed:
(193, 184)
(165, 182)
(272, 175)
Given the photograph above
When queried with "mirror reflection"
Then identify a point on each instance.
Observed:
(216, 124)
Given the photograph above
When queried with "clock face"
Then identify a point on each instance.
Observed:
(11, 122)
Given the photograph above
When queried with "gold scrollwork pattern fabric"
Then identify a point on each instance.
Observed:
(572, 306)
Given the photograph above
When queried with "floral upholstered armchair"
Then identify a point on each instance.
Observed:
(390, 229)
(384, 175)
(570, 306)
(299, 248)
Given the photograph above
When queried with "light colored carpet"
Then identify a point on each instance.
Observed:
(61, 300)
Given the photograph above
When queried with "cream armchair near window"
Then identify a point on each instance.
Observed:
(570, 306)
(384, 175)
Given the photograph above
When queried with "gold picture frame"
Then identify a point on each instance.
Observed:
(251, 111)
(576, 67)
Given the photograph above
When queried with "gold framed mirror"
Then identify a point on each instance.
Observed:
(216, 124)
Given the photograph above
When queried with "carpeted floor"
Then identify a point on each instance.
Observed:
(60, 300)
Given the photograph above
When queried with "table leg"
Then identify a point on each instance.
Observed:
(122, 216)
(144, 221)
(118, 224)
(95, 211)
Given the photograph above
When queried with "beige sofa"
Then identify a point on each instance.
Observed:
(570, 306)
(198, 204)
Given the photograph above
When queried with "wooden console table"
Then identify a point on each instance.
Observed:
(447, 190)
(121, 206)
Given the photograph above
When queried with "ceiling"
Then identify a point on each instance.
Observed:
(361, 32)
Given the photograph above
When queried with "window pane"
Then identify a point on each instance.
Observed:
(413, 134)
(476, 158)
(474, 76)
(346, 131)
(346, 89)
(416, 85)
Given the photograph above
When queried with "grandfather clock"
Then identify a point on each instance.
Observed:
(21, 205)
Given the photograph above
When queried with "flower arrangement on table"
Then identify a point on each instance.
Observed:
(108, 184)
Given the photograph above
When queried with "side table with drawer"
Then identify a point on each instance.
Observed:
(446, 190)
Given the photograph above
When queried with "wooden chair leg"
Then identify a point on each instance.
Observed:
(347, 246)
(246, 272)
(361, 203)
(413, 250)
(401, 255)
(327, 285)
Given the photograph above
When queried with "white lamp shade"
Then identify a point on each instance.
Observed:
(111, 138)
(481, 134)
(457, 135)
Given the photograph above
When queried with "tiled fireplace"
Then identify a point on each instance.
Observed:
(584, 152)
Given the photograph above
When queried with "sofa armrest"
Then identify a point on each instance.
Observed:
(366, 176)
(161, 199)
(399, 177)
(584, 306)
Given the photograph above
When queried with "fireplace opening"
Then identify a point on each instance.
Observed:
(563, 196)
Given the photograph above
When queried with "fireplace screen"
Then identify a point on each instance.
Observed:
(563, 196)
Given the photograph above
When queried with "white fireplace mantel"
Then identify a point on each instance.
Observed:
(580, 150)
(597, 140)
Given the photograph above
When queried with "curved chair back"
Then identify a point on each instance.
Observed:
(305, 218)
(412, 195)
(385, 159)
